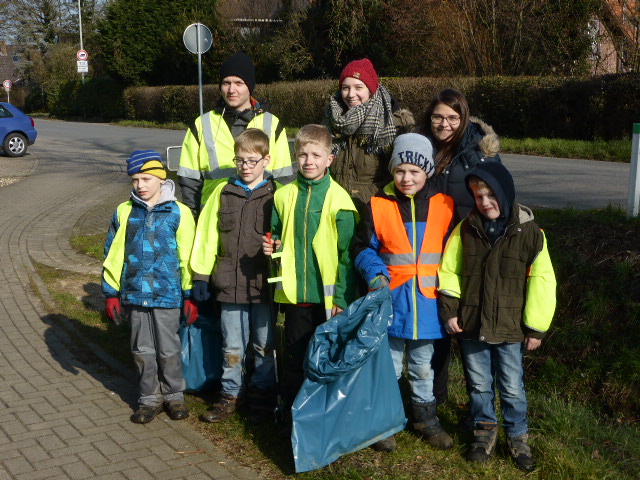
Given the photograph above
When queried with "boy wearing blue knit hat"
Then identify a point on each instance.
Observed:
(146, 274)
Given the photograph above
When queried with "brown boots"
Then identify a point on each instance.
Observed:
(222, 409)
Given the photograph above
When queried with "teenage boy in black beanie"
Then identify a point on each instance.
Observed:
(207, 156)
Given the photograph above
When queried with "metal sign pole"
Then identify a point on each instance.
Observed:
(198, 30)
(80, 27)
(197, 38)
(634, 174)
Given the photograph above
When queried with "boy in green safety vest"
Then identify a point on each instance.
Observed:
(313, 222)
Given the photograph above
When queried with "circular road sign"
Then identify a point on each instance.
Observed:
(7, 84)
(82, 55)
(190, 38)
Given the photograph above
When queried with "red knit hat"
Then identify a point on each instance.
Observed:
(362, 70)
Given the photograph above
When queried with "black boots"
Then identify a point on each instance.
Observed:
(427, 425)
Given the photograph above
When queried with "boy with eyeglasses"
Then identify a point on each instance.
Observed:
(227, 259)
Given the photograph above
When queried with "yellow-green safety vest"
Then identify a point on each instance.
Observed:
(325, 242)
(210, 157)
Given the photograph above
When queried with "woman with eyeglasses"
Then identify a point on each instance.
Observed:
(364, 120)
(462, 142)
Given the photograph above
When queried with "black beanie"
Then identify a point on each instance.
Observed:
(239, 65)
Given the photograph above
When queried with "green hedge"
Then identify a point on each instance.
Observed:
(556, 107)
(100, 99)
(572, 108)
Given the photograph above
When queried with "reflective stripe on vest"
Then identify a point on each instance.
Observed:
(266, 123)
(396, 250)
(215, 172)
(282, 172)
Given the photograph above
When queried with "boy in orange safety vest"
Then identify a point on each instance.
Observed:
(399, 244)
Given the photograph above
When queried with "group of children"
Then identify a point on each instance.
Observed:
(487, 280)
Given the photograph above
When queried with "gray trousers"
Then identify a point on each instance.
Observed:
(156, 350)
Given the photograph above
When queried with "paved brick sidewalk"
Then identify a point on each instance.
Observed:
(63, 417)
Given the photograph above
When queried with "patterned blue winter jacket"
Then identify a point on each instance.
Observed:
(147, 252)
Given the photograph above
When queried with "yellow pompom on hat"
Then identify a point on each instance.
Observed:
(146, 161)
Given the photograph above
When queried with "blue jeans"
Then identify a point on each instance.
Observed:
(419, 353)
(500, 364)
(241, 323)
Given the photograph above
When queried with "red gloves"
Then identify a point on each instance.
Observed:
(113, 309)
(190, 311)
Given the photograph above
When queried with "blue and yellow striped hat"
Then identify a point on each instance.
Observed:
(146, 161)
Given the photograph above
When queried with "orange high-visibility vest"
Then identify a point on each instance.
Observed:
(402, 261)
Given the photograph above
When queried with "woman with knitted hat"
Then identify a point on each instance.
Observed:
(364, 120)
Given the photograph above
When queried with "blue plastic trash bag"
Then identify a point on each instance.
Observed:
(350, 398)
(201, 353)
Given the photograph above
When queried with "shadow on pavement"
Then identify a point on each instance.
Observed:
(69, 342)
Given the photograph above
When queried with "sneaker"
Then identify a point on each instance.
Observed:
(176, 410)
(484, 445)
(222, 409)
(521, 452)
(385, 445)
(145, 414)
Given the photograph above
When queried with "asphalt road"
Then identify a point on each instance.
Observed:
(540, 181)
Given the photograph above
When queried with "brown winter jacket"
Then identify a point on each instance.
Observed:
(363, 174)
(241, 269)
(494, 279)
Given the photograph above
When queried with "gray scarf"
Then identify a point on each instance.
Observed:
(370, 123)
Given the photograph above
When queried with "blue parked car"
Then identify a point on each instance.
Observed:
(17, 130)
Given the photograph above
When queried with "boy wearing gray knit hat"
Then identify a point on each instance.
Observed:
(414, 149)
(399, 245)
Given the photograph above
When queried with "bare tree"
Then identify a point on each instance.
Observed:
(622, 20)
(515, 37)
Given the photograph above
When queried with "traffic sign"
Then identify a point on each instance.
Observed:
(82, 55)
(197, 38)
(7, 84)
(83, 66)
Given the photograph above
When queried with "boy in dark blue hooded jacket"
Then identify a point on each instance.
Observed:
(497, 291)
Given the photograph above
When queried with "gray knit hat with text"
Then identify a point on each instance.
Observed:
(415, 149)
